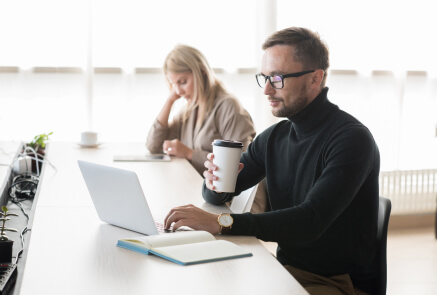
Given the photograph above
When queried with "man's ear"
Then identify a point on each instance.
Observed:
(318, 77)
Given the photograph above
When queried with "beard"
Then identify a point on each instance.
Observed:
(294, 106)
(290, 110)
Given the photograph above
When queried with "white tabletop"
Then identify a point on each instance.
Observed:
(72, 252)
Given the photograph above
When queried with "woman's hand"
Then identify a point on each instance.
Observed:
(173, 96)
(166, 108)
(178, 149)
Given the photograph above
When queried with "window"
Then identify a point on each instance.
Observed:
(136, 33)
(47, 33)
(369, 35)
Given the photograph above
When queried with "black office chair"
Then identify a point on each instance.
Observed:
(381, 237)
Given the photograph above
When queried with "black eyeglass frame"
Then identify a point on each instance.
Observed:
(298, 74)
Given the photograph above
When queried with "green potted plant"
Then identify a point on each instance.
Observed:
(39, 141)
(38, 144)
(6, 245)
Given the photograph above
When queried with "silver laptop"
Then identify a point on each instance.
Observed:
(118, 197)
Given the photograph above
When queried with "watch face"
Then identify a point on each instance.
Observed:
(226, 220)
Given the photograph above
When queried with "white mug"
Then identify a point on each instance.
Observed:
(89, 138)
(227, 159)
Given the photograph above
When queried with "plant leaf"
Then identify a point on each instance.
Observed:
(12, 214)
(4, 209)
(11, 229)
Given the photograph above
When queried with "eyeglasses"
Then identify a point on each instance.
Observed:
(277, 81)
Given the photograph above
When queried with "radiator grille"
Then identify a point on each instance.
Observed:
(411, 191)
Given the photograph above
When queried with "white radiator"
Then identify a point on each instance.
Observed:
(410, 191)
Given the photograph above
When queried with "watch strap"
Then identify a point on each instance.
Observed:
(225, 230)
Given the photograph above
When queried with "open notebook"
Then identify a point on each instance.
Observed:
(185, 248)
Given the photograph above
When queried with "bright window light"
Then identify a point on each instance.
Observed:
(369, 35)
(49, 33)
(137, 33)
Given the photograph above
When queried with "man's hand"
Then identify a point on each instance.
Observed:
(176, 148)
(208, 174)
(193, 217)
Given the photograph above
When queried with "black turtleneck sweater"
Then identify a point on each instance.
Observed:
(322, 168)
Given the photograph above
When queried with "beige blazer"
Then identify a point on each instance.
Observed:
(227, 120)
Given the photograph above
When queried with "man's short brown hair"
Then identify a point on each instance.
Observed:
(309, 49)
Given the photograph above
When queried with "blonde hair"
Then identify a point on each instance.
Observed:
(185, 58)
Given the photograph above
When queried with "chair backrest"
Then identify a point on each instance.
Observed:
(381, 237)
(243, 202)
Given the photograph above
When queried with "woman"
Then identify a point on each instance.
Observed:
(210, 113)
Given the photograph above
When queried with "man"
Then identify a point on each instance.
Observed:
(321, 166)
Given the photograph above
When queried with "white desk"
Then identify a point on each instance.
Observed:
(72, 252)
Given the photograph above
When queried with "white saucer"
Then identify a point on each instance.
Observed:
(89, 145)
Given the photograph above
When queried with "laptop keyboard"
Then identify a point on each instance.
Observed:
(161, 228)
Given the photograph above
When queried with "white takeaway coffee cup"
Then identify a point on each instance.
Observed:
(89, 138)
(227, 158)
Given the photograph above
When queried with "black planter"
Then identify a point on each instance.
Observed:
(6, 251)
(40, 155)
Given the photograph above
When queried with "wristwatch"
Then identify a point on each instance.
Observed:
(225, 221)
